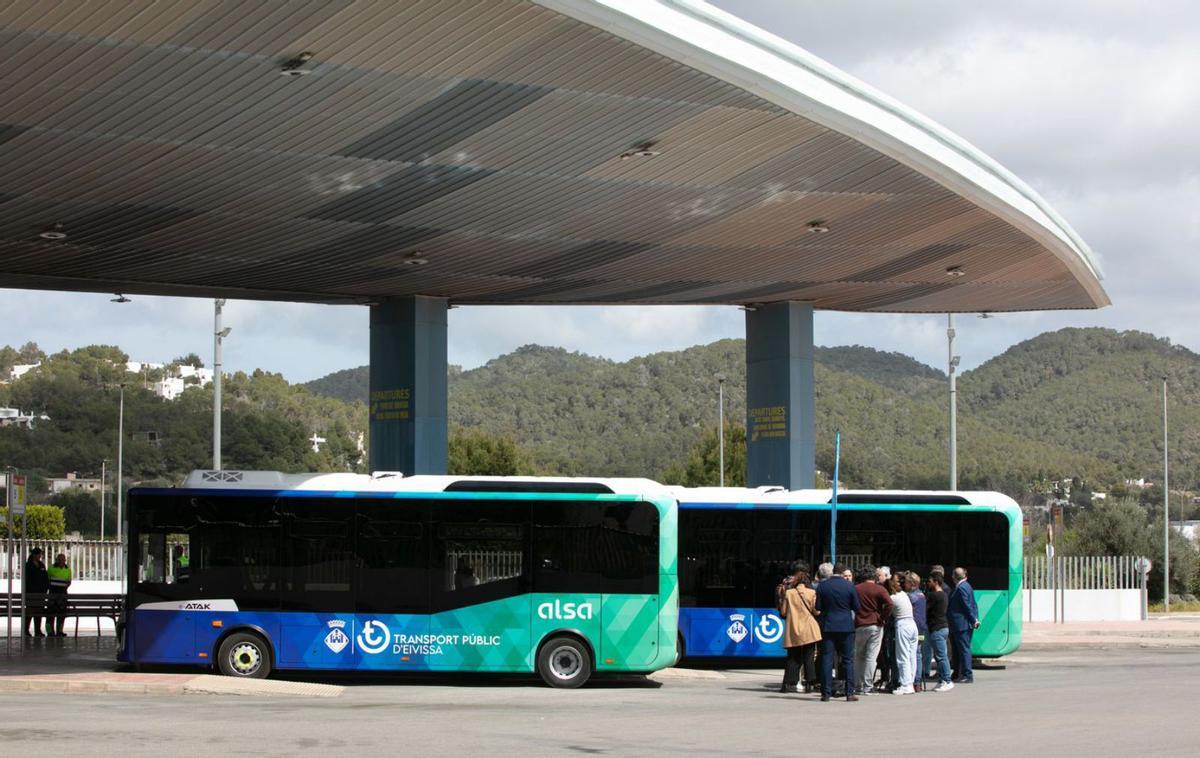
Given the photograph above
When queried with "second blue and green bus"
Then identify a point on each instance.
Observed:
(735, 545)
(253, 571)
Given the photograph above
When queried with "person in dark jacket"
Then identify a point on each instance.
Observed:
(837, 602)
(37, 582)
(963, 616)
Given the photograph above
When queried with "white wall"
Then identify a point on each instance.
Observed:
(1084, 605)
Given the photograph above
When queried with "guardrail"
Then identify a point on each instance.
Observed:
(1085, 587)
(90, 560)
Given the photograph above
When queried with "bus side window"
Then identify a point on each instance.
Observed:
(152, 551)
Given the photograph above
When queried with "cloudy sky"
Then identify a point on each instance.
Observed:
(1093, 102)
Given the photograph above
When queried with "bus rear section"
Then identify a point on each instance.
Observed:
(420, 574)
(735, 546)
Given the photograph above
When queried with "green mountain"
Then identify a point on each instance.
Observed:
(1074, 403)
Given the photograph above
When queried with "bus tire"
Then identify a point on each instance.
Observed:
(564, 662)
(245, 655)
(680, 648)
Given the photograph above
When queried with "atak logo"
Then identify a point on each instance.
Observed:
(337, 640)
(374, 637)
(560, 611)
(769, 628)
(197, 606)
(737, 630)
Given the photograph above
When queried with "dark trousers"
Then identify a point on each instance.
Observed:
(888, 678)
(800, 657)
(56, 607)
(837, 645)
(33, 624)
(961, 641)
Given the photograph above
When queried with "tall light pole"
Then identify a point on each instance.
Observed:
(1166, 511)
(120, 462)
(103, 467)
(218, 335)
(952, 361)
(721, 428)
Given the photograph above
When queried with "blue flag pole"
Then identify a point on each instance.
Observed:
(837, 461)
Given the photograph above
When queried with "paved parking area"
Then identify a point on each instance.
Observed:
(1099, 702)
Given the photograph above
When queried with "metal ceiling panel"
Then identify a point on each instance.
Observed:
(491, 139)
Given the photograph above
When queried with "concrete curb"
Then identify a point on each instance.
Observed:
(86, 686)
(198, 685)
(678, 673)
(208, 684)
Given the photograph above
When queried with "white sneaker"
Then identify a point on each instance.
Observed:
(944, 687)
(906, 690)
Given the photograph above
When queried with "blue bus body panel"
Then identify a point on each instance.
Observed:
(731, 632)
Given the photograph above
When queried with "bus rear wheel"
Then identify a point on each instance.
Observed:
(564, 662)
(244, 655)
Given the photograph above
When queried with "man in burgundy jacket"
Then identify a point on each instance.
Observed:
(874, 605)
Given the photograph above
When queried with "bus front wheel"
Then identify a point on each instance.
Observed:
(244, 655)
(564, 662)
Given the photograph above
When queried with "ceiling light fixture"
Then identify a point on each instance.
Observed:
(641, 150)
(955, 272)
(119, 298)
(414, 259)
(817, 227)
(54, 233)
(295, 66)
(748, 307)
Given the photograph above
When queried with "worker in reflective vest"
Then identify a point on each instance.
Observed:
(182, 564)
(60, 580)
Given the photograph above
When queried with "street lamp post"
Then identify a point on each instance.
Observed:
(1166, 511)
(219, 334)
(103, 467)
(952, 361)
(120, 462)
(721, 428)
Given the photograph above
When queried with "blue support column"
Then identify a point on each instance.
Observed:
(408, 386)
(780, 444)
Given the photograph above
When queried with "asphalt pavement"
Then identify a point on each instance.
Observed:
(1095, 702)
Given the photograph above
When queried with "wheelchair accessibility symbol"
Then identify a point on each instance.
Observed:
(768, 629)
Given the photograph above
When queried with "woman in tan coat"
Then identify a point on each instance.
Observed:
(801, 633)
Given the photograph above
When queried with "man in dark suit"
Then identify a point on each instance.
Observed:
(837, 602)
(963, 616)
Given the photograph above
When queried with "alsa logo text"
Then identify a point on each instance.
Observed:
(560, 611)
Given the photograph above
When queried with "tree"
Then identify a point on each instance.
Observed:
(191, 359)
(45, 522)
(477, 453)
(1116, 527)
(702, 467)
(82, 512)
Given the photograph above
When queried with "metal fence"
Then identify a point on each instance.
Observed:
(90, 560)
(1082, 572)
(1096, 584)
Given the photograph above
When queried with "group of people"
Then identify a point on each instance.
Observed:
(52, 582)
(882, 623)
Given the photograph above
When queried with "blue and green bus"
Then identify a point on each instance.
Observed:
(253, 571)
(735, 545)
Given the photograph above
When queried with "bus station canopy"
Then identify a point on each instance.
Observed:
(492, 151)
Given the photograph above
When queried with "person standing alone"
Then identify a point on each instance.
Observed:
(60, 580)
(837, 603)
(963, 616)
